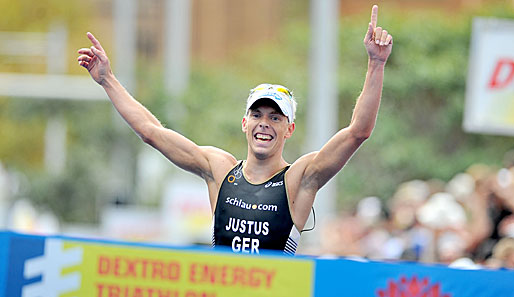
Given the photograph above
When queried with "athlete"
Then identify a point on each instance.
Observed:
(261, 202)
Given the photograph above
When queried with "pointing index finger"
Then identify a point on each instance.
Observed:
(374, 16)
(95, 42)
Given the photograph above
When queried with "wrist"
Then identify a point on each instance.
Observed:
(108, 81)
(376, 63)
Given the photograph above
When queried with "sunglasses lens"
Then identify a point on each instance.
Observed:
(282, 90)
(285, 91)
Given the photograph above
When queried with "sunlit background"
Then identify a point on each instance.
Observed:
(421, 188)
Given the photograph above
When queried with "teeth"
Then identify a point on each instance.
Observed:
(263, 136)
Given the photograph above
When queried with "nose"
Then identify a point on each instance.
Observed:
(263, 125)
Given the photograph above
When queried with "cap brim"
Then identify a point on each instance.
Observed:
(266, 101)
(282, 104)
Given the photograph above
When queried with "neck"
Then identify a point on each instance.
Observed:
(258, 171)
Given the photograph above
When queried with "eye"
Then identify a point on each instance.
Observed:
(275, 118)
(255, 115)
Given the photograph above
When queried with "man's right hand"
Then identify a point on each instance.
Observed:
(95, 60)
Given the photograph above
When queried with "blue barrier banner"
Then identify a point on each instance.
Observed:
(4, 261)
(339, 277)
(58, 266)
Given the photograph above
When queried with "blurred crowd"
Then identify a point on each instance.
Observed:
(467, 222)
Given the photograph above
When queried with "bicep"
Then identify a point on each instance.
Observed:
(180, 150)
(210, 163)
(326, 163)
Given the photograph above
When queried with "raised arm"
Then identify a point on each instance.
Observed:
(323, 165)
(177, 148)
(378, 43)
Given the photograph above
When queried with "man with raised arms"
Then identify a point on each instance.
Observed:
(262, 202)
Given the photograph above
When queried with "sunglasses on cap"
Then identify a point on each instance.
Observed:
(277, 88)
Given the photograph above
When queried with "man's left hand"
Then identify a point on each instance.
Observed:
(378, 41)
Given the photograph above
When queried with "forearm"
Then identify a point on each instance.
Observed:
(366, 109)
(133, 112)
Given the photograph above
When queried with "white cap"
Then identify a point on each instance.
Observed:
(279, 94)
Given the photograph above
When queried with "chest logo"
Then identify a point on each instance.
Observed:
(251, 206)
(237, 175)
(272, 184)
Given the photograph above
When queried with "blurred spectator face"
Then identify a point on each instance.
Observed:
(479, 171)
(412, 192)
(407, 199)
(369, 210)
(504, 251)
(461, 186)
(403, 217)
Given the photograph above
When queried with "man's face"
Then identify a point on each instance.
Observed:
(266, 130)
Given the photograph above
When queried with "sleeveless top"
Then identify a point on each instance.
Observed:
(251, 217)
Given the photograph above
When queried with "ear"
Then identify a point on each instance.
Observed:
(243, 124)
(290, 130)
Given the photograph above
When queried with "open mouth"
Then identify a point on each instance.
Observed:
(263, 137)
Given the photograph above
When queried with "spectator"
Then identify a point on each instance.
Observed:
(504, 252)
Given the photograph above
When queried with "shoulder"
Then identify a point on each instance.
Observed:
(300, 166)
(297, 175)
(220, 161)
(215, 152)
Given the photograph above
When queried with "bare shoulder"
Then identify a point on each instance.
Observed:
(216, 151)
(298, 168)
(220, 161)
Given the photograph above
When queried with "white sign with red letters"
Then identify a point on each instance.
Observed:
(490, 83)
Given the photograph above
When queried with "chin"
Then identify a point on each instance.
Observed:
(261, 156)
(262, 153)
